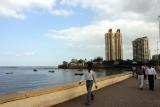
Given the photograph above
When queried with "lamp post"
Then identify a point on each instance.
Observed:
(158, 41)
(159, 26)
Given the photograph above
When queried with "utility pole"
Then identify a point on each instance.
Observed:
(159, 26)
(158, 41)
(157, 54)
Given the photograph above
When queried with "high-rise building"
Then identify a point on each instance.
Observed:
(141, 49)
(109, 45)
(118, 45)
(113, 45)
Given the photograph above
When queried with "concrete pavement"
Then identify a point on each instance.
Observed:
(124, 94)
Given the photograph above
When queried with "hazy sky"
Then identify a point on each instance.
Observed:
(46, 32)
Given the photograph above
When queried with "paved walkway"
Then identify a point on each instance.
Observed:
(124, 94)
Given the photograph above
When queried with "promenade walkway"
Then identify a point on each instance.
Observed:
(124, 94)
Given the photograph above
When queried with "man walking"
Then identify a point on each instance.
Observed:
(151, 73)
(133, 70)
(141, 73)
(90, 78)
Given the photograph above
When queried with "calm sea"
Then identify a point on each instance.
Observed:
(13, 79)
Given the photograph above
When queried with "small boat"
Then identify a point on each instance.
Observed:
(79, 70)
(78, 74)
(9, 73)
(51, 71)
(35, 70)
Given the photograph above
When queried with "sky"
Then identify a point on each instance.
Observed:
(47, 32)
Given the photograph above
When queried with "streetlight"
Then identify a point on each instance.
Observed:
(158, 41)
(159, 26)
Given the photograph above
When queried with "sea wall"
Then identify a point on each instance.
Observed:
(46, 97)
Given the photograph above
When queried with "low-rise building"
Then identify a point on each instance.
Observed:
(156, 57)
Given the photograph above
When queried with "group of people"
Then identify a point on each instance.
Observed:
(145, 73)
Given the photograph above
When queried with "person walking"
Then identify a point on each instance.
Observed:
(133, 70)
(141, 73)
(151, 73)
(145, 76)
(90, 77)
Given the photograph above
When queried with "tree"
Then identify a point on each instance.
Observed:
(98, 59)
(81, 61)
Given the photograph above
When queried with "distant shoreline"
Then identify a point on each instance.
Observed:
(41, 67)
(110, 67)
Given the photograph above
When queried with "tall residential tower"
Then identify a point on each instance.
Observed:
(141, 49)
(113, 45)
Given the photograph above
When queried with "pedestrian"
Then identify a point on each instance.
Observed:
(90, 77)
(133, 70)
(151, 73)
(140, 73)
(145, 76)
